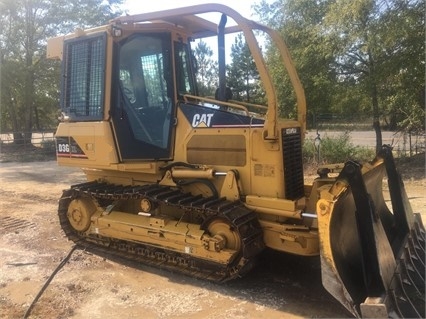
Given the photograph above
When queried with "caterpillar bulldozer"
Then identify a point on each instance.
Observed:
(202, 185)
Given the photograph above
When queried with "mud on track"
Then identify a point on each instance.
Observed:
(91, 286)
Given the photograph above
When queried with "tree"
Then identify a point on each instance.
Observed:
(361, 58)
(29, 82)
(243, 77)
(300, 23)
(381, 50)
(403, 91)
(356, 25)
(207, 69)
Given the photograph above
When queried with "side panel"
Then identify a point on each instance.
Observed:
(229, 150)
(228, 141)
(266, 167)
(85, 144)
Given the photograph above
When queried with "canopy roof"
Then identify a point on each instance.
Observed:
(188, 18)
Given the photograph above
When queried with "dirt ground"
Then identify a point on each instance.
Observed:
(89, 286)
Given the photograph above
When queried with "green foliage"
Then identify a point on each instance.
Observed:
(363, 58)
(29, 82)
(207, 69)
(301, 26)
(243, 77)
(403, 91)
(381, 51)
(336, 150)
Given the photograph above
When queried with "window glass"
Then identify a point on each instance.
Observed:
(185, 81)
(144, 77)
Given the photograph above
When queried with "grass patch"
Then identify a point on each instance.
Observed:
(335, 150)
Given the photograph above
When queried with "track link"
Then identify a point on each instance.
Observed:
(241, 219)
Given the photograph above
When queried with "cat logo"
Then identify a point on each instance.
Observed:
(202, 120)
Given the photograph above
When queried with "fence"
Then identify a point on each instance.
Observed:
(37, 138)
(404, 144)
(14, 147)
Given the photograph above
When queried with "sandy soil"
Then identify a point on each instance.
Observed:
(90, 286)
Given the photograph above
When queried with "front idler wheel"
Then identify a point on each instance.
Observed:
(79, 213)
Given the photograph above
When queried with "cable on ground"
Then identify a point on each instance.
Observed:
(46, 284)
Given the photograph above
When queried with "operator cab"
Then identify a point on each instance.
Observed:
(150, 71)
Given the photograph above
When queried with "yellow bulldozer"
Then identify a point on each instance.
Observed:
(202, 185)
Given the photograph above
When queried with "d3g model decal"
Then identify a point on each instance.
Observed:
(68, 147)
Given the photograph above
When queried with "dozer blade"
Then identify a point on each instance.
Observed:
(372, 258)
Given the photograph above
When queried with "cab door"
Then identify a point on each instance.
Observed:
(144, 108)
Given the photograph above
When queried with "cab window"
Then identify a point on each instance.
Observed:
(146, 89)
(184, 73)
